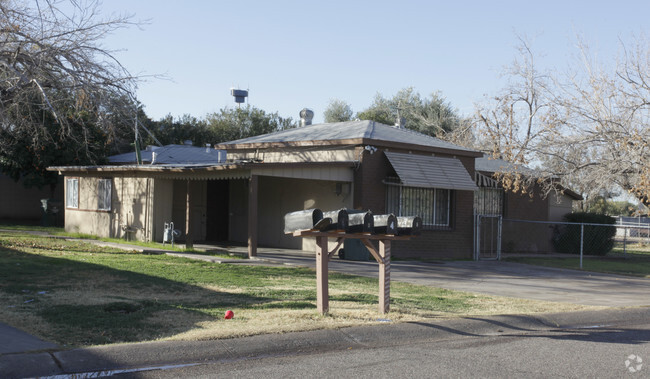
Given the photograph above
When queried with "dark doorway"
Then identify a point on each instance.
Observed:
(217, 212)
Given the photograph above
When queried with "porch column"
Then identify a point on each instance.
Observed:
(252, 216)
(189, 242)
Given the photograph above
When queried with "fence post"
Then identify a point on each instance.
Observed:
(582, 241)
(625, 243)
(500, 228)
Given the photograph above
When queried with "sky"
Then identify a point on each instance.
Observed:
(296, 54)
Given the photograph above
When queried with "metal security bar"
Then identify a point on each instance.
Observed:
(431, 204)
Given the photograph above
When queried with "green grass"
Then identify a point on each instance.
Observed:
(635, 265)
(75, 294)
(56, 231)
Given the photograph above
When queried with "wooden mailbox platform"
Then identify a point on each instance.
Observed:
(323, 256)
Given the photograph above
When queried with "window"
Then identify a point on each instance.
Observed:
(72, 193)
(431, 204)
(104, 194)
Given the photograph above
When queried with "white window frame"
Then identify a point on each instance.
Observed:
(104, 194)
(72, 193)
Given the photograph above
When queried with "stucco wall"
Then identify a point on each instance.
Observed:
(130, 215)
(162, 207)
(198, 197)
(277, 197)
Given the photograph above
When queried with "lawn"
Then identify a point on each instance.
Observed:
(634, 261)
(78, 294)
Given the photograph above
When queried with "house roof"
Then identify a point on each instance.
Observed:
(174, 155)
(349, 131)
(431, 172)
(493, 165)
(489, 164)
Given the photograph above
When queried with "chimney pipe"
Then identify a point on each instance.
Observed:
(306, 115)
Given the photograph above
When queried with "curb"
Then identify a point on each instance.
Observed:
(136, 357)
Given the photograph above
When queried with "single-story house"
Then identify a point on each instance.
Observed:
(519, 235)
(239, 191)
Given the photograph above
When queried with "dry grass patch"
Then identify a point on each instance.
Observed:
(77, 294)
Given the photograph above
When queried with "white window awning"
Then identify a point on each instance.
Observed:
(431, 172)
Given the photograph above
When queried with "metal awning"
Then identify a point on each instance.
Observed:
(431, 172)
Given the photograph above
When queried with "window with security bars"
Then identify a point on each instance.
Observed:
(431, 204)
(72, 193)
(104, 187)
(488, 201)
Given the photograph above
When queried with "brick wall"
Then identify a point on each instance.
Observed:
(453, 242)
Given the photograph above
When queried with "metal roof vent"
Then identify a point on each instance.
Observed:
(187, 142)
(306, 115)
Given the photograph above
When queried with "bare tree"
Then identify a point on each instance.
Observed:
(585, 130)
(59, 87)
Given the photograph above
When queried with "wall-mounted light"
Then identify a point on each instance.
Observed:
(371, 149)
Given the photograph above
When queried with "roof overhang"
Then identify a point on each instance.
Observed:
(225, 171)
(425, 171)
(350, 142)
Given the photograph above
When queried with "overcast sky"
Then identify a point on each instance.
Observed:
(296, 54)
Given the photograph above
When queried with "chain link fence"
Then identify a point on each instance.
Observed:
(495, 236)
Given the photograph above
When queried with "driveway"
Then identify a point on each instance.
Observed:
(495, 278)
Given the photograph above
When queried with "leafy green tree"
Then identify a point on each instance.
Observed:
(433, 116)
(338, 111)
(235, 123)
(20, 158)
(170, 130)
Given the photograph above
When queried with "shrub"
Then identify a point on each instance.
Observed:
(598, 239)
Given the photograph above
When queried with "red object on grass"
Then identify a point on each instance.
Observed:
(229, 315)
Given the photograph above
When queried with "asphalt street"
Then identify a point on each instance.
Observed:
(566, 353)
(577, 344)
(596, 342)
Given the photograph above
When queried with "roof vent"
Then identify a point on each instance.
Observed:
(306, 115)
(187, 142)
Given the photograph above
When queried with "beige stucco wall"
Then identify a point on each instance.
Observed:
(130, 215)
(198, 196)
(163, 191)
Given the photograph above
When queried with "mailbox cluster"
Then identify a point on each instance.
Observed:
(351, 221)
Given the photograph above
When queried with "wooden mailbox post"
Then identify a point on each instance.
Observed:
(323, 256)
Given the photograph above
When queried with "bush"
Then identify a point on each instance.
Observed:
(598, 239)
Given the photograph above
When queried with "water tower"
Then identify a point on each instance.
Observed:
(240, 95)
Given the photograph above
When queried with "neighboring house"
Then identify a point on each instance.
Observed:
(23, 205)
(355, 164)
(492, 200)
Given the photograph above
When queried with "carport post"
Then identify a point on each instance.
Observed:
(252, 216)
